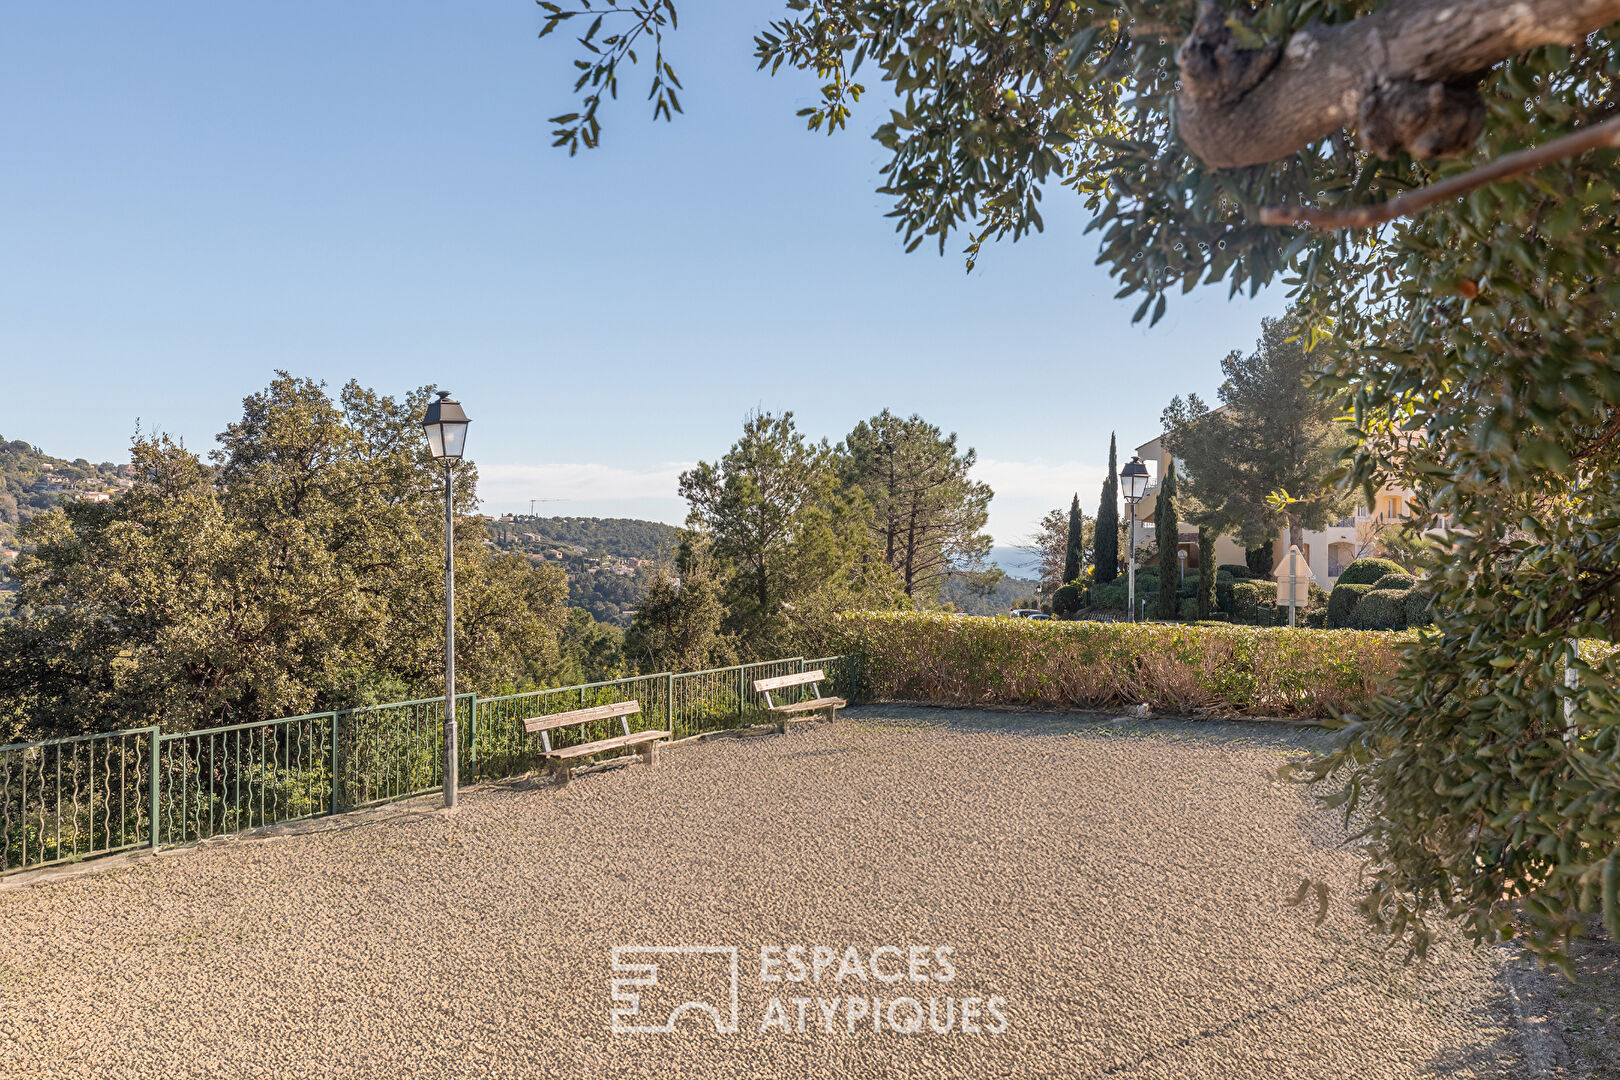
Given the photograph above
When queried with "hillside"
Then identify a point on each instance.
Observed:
(620, 538)
(1007, 593)
(32, 481)
(609, 561)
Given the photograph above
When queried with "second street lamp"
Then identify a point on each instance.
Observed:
(1133, 484)
(446, 428)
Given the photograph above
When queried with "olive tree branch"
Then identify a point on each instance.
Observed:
(601, 73)
(1505, 167)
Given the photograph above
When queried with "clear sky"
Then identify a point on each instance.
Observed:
(197, 193)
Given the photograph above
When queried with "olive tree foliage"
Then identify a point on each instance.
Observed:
(298, 568)
(1484, 321)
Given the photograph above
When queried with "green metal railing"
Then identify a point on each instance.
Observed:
(62, 800)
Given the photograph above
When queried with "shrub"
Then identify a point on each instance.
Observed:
(1189, 609)
(1395, 581)
(1235, 571)
(1342, 601)
(1368, 571)
(1235, 670)
(1419, 608)
(1255, 602)
(1380, 609)
(1109, 597)
(1066, 601)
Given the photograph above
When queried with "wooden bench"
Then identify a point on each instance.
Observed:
(560, 763)
(799, 711)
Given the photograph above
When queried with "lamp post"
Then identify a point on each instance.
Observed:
(446, 427)
(1181, 557)
(1133, 483)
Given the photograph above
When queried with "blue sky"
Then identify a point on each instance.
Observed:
(196, 194)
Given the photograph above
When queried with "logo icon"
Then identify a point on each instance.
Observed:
(686, 970)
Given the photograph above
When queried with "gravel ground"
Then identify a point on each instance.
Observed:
(1119, 887)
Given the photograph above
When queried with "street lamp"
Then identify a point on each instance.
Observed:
(446, 427)
(1133, 483)
(1181, 557)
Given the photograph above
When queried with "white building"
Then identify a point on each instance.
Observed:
(1328, 551)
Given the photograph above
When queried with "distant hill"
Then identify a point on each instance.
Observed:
(32, 481)
(1014, 560)
(620, 538)
(998, 602)
(609, 561)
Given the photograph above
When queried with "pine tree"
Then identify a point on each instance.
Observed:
(1075, 551)
(1166, 529)
(1107, 541)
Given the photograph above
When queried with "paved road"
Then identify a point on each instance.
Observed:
(1106, 901)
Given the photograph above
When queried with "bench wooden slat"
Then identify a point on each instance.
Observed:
(587, 749)
(818, 703)
(761, 685)
(581, 716)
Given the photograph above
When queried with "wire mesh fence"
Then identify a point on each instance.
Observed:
(67, 799)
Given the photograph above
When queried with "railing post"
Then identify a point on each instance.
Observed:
(472, 735)
(334, 762)
(669, 702)
(156, 773)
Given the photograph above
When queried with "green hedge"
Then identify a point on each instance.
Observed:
(1380, 609)
(1419, 608)
(1342, 601)
(1368, 571)
(1234, 670)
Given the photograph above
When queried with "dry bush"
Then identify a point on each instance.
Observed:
(1233, 670)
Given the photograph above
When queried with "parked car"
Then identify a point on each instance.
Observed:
(1028, 613)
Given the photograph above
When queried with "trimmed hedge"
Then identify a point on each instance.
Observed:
(1380, 609)
(1401, 581)
(1368, 571)
(1066, 601)
(1342, 602)
(1419, 608)
(1231, 670)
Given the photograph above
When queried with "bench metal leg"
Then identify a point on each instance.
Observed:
(648, 752)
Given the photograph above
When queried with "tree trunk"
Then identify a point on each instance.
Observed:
(1404, 77)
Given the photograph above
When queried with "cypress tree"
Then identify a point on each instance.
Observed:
(1206, 571)
(1071, 558)
(1105, 549)
(1167, 530)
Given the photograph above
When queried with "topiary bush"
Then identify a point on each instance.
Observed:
(1235, 571)
(1380, 609)
(1066, 601)
(1254, 603)
(1395, 581)
(1342, 601)
(1419, 608)
(1368, 571)
(1111, 596)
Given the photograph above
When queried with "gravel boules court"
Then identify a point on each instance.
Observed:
(903, 893)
